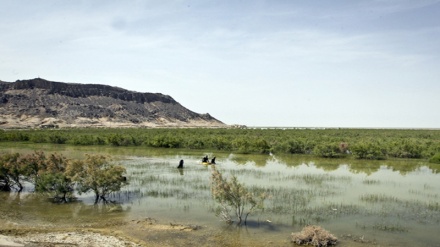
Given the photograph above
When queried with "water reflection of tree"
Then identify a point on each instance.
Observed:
(405, 166)
(37, 207)
(10, 199)
(368, 167)
(362, 166)
(10, 202)
(402, 166)
(244, 159)
(434, 167)
(291, 160)
(328, 165)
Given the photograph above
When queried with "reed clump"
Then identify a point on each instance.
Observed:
(315, 236)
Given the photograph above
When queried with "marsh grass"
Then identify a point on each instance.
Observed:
(428, 187)
(324, 213)
(384, 226)
(310, 179)
(424, 194)
(414, 205)
(390, 227)
(152, 178)
(371, 182)
(296, 195)
(433, 206)
(295, 198)
(390, 207)
(378, 198)
(306, 199)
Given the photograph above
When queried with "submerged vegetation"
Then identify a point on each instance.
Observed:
(374, 144)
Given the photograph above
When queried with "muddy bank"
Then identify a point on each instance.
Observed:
(22, 234)
(135, 233)
(130, 233)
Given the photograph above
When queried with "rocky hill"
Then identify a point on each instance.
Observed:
(39, 103)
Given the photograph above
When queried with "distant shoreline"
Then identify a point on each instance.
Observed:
(353, 128)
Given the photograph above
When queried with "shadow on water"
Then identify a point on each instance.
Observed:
(264, 225)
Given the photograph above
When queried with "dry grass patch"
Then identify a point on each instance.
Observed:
(315, 236)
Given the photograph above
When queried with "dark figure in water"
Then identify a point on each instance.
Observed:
(180, 164)
(213, 160)
(205, 159)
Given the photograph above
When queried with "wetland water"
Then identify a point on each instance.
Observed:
(388, 203)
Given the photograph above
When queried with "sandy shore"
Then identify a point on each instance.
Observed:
(131, 233)
(88, 239)
(32, 122)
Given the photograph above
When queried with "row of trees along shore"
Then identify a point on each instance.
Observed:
(61, 177)
(330, 143)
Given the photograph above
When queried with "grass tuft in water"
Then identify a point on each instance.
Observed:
(378, 198)
(370, 181)
(384, 226)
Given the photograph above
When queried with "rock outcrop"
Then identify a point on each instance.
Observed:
(41, 103)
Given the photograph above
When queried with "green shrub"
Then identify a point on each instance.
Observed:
(368, 143)
(195, 144)
(298, 146)
(241, 145)
(435, 159)
(328, 150)
(82, 140)
(16, 136)
(368, 150)
(39, 138)
(221, 143)
(167, 140)
(57, 139)
(261, 146)
(406, 149)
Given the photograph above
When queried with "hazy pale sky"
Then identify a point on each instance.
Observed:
(340, 63)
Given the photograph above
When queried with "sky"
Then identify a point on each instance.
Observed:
(292, 63)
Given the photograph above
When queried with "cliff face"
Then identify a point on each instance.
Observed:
(41, 103)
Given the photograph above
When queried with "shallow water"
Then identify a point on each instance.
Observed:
(385, 202)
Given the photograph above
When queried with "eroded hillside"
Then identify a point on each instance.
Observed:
(41, 103)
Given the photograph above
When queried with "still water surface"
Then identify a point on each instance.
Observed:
(388, 203)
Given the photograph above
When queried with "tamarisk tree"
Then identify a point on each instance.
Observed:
(232, 195)
(10, 172)
(97, 174)
(53, 179)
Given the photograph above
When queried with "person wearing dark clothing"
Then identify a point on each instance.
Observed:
(213, 160)
(180, 164)
(205, 159)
